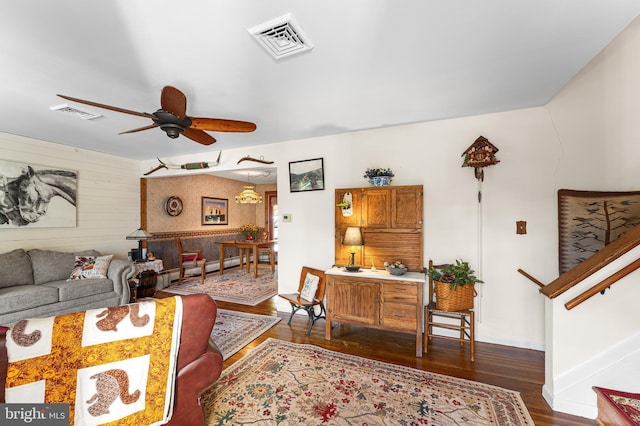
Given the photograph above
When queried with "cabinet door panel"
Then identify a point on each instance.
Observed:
(355, 302)
(407, 208)
(376, 208)
(348, 217)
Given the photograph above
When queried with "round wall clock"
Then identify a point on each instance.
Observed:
(173, 206)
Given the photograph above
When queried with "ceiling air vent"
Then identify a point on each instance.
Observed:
(74, 111)
(282, 37)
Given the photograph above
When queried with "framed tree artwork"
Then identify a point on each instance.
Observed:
(590, 220)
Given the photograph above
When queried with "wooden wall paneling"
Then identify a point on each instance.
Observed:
(165, 248)
(393, 245)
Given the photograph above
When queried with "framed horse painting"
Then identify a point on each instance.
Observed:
(37, 196)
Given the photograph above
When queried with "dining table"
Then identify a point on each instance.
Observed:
(247, 246)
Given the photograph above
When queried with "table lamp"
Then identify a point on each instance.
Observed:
(353, 238)
(139, 235)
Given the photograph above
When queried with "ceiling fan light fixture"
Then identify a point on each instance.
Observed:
(172, 130)
(248, 196)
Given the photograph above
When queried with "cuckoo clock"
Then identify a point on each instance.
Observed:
(481, 153)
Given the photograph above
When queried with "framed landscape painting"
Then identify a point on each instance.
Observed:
(306, 175)
(215, 211)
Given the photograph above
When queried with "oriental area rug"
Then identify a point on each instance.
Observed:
(234, 330)
(235, 286)
(287, 383)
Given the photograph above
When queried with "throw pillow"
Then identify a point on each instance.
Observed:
(310, 287)
(90, 267)
(100, 267)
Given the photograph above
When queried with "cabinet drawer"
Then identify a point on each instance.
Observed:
(399, 316)
(402, 293)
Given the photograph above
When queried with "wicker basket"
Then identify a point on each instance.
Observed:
(454, 300)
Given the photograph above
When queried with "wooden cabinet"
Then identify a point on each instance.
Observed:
(390, 218)
(377, 300)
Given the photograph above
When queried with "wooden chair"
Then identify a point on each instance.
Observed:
(460, 321)
(190, 259)
(297, 302)
(266, 250)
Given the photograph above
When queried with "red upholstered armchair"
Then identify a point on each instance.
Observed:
(199, 360)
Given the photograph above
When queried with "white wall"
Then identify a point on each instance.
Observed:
(596, 116)
(521, 187)
(108, 199)
(597, 343)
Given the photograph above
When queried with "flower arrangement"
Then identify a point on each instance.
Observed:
(249, 229)
(371, 173)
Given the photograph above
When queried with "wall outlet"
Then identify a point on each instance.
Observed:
(287, 217)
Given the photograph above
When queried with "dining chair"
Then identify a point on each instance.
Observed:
(190, 259)
(266, 251)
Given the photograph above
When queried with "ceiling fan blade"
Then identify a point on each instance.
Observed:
(174, 101)
(199, 136)
(112, 108)
(151, 126)
(220, 125)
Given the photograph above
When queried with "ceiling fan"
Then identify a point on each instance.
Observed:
(172, 118)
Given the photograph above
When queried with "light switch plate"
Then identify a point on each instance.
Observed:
(287, 217)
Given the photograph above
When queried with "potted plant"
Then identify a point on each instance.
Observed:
(250, 231)
(454, 286)
(379, 176)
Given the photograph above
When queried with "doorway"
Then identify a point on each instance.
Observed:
(271, 215)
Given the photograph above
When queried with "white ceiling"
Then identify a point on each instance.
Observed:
(375, 63)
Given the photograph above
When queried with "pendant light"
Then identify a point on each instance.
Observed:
(248, 195)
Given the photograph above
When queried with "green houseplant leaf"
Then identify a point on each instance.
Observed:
(457, 274)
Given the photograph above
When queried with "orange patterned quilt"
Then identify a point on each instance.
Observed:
(110, 365)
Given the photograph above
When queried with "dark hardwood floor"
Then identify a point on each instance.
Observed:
(512, 368)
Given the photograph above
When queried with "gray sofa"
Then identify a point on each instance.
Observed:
(34, 284)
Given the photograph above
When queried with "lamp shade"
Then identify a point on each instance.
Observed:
(139, 235)
(248, 196)
(352, 237)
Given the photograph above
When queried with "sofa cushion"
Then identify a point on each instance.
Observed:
(16, 268)
(22, 297)
(76, 289)
(90, 267)
(49, 265)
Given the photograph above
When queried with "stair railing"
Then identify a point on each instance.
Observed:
(597, 261)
